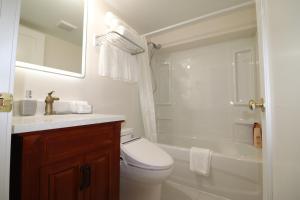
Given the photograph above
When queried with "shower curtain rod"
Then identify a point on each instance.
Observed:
(201, 18)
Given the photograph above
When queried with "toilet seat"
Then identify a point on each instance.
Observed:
(144, 154)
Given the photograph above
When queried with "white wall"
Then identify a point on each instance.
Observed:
(281, 28)
(107, 96)
(201, 93)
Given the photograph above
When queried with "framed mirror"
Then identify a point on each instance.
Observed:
(52, 36)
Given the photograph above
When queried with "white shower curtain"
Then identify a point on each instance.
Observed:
(122, 66)
(146, 95)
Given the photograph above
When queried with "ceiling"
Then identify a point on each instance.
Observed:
(149, 15)
(44, 15)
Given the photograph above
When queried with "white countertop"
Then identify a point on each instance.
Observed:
(41, 122)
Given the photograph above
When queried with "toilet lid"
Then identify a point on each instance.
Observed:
(147, 155)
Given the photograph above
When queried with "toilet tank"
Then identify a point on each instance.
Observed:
(127, 135)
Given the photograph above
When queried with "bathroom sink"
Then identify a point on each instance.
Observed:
(21, 124)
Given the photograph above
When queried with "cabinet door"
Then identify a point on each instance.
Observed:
(61, 181)
(102, 177)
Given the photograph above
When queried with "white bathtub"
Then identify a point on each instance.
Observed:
(236, 171)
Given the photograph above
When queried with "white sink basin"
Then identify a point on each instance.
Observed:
(41, 122)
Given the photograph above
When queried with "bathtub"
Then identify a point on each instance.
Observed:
(236, 169)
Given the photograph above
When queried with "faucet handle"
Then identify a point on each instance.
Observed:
(50, 93)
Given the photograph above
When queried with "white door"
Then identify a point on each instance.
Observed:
(280, 34)
(265, 94)
(9, 21)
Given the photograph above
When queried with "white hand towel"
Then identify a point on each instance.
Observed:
(200, 160)
(116, 63)
(108, 61)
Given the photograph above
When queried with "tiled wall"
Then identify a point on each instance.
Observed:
(203, 92)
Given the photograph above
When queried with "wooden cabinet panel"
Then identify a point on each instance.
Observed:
(100, 163)
(25, 166)
(63, 185)
(47, 165)
(61, 181)
(72, 141)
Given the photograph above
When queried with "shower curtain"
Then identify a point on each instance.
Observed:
(113, 63)
(146, 95)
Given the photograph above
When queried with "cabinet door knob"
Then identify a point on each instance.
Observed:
(85, 180)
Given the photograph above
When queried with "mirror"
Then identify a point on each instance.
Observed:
(52, 36)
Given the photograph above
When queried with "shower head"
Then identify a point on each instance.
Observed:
(155, 46)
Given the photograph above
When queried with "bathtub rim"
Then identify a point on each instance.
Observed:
(217, 154)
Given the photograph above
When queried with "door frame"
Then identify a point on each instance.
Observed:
(263, 50)
(9, 24)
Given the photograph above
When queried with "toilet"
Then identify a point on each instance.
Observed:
(144, 167)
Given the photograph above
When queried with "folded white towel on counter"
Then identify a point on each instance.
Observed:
(72, 107)
(62, 107)
(81, 108)
(200, 160)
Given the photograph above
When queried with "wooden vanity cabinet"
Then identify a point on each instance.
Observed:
(76, 163)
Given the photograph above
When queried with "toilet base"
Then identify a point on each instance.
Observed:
(132, 190)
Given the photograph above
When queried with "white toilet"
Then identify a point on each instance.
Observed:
(144, 167)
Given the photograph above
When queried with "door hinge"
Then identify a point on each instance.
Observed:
(6, 102)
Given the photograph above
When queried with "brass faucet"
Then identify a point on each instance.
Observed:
(49, 103)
